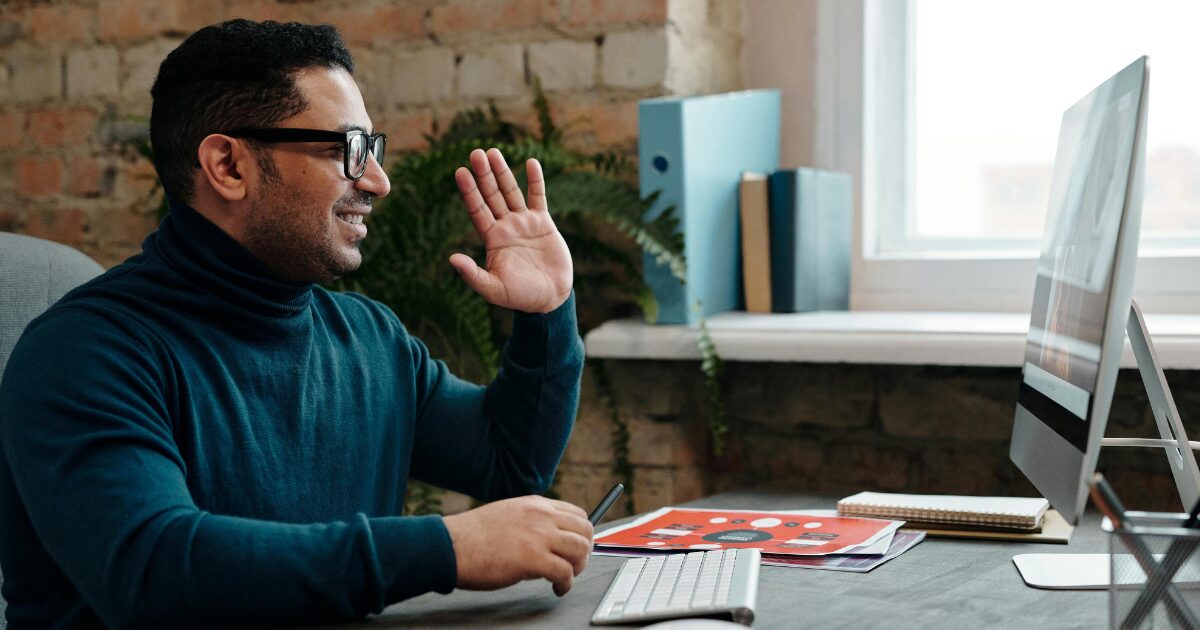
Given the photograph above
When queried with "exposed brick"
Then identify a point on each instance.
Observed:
(5, 84)
(651, 388)
(192, 15)
(59, 126)
(778, 461)
(48, 24)
(611, 123)
(586, 484)
(36, 75)
(39, 176)
(473, 16)
(634, 59)
(8, 221)
(564, 65)
(127, 20)
(407, 130)
(87, 176)
(969, 471)
(139, 67)
(591, 439)
(494, 71)
(850, 467)
(92, 72)
(12, 129)
(64, 226)
(121, 229)
(792, 394)
(949, 403)
(369, 23)
(592, 13)
(270, 10)
(422, 77)
(655, 487)
(673, 443)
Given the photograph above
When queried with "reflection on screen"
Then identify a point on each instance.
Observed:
(1070, 299)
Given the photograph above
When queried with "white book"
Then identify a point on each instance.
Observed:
(1009, 512)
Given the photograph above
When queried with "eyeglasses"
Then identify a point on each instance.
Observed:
(356, 143)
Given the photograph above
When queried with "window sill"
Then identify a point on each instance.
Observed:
(869, 337)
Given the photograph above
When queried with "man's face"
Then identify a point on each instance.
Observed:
(305, 220)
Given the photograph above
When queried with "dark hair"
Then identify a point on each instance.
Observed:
(233, 74)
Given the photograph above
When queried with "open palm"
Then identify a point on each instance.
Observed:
(528, 266)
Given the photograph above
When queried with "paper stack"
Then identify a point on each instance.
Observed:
(804, 539)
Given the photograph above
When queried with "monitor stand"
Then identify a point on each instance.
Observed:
(1091, 571)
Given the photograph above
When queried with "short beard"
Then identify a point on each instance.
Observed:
(288, 247)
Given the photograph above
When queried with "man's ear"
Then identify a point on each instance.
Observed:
(223, 161)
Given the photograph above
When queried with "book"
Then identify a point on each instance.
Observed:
(756, 245)
(998, 512)
(811, 221)
(1054, 529)
(692, 152)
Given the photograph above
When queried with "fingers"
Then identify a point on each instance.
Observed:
(482, 282)
(485, 179)
(506, 181)
(560, 573)
(570, 508)
(537, 185)
(573, 548)
(481, 215)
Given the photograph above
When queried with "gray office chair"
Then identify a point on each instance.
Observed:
(33, 275)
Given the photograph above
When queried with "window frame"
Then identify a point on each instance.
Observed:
(859, 129)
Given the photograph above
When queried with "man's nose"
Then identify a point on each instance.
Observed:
(374, 179)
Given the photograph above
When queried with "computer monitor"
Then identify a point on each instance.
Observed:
(1082, 310)
(1084, 286)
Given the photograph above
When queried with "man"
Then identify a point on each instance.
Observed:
(203, 437)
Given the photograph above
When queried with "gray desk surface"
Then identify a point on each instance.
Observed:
(940, 583)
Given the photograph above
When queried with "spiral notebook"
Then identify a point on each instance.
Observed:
(998, 512)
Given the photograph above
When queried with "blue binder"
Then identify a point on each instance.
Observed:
(694, 150)
(811, 212)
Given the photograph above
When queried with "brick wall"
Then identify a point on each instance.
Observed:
(837, 429)
(75, 78)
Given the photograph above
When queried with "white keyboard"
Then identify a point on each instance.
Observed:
(720, 583)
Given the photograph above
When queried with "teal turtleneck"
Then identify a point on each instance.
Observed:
(190, 441)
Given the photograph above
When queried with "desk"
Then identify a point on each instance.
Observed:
(940, 583)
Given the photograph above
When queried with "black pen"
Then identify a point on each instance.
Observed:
(606, 503)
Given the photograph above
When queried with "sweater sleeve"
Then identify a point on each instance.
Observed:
(86, 433)
(506, 439)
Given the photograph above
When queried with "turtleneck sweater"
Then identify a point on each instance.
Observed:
(188, 440)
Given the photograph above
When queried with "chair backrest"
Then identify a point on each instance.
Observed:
(33, 275)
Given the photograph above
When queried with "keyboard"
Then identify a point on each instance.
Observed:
(720, 583)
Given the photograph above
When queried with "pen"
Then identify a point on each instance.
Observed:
(606, 503)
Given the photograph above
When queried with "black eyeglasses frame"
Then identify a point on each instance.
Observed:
(295, 134)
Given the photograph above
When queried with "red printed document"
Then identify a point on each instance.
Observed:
(784, 533)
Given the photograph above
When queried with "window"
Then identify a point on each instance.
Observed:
(947, 114)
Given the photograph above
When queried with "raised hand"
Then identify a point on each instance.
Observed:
(528, 266)
(502, 543)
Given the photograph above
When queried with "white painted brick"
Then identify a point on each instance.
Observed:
(563, 65)
(634, 59)
(139, 67)
(495, 71)
(422, 77)
(92, 72)
(36, 75)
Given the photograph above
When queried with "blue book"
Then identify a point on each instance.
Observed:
(811, 212)
(693, 152)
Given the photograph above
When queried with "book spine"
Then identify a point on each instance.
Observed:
(661, 170)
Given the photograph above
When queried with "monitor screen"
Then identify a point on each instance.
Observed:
(1083, 289)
